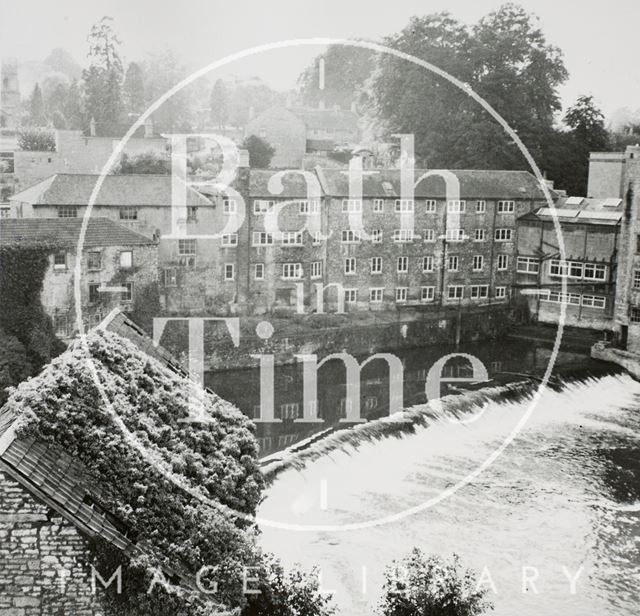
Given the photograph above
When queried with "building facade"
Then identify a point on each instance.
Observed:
(589, 234)
(116, 265)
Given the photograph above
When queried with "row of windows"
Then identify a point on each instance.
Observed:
(305, 206)
(408, 205)
(94, 260)
(574, 299)
(577, 269)
(427, 262)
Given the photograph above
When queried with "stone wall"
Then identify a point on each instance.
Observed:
(36, 545)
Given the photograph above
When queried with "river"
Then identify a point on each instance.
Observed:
(562, 500)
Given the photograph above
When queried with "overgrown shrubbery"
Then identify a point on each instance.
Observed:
(429, 586)
(175, 528)
(36, 139)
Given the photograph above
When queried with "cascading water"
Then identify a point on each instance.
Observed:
(561, 503)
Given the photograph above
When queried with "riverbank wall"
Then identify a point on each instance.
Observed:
(625, 359)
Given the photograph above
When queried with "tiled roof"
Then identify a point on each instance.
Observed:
(294, 185)
(66, 231)
(480, 184)
(117, 190)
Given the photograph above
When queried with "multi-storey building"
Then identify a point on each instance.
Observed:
(116, 265)
(589, 233)
(459, 251)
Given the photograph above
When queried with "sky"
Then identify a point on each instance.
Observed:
(599, 39)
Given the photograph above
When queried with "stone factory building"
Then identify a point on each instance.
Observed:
(116, 264)
(590, 232)
(461, 252)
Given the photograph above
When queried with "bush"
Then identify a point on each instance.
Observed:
(428, 586)
(36, 140)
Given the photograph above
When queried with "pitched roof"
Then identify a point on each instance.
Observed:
(117, 190)
(481, 184)
(294, 185)
(66, 231)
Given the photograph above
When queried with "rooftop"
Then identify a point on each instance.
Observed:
(66, 231)
(581, 210)
(116, 190)
(481, 184)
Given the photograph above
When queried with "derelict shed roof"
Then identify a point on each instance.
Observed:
(474, 184)
(294, 185)
(116, 190)
(65, 232)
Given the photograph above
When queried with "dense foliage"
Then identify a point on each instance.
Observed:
(260, 152)
(36, 140)
(146, 163)
(429, 586)
(27, 339)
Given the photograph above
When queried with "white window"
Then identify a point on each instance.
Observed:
(430, 206)
(292, 238)
(94, 260)
(404, 205)
(528, 265)
(192, 214)
(229, 271)
(455, 291)
(376, 265)
(636, 279)
(561, 298)
(126, 259)
(455, 235)
(478, 263)
(316, 269)
(350, 296)
(262, 238)
(258, 271)
(376, 236)
(229, 239)
(67, 211)
(427, 264)
(60, 260)
(309, 207)
(291, 271)
(558, 269)
(316, 238)
(349, 236)
(262, 206)
(187, 252)
(503, 235)
(127, 294)
(401, 294)
(506, 207)
(595, 271)
(350, 266)
(376, 295)
(128, 213)
(503, 262)
(429, 235)
(350, 206)
(501, 292)
(456, 207)
(229, 206)
(170, 277)
(403, 236)
(480, 291)
(402, 265)
(378, 205)
(453, 263)
(427, 294)
(594, 301)
(479, 235)
(481, 207)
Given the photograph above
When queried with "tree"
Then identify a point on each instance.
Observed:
(133, 89)
(260, 152)
(504, 57)
(219, 104)
(429, 586)
(150, 162)
(14, 364)
(346, 69)
(36, 107)
(36, 140)
(103, 78)
(74, 112)
(586, 121)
